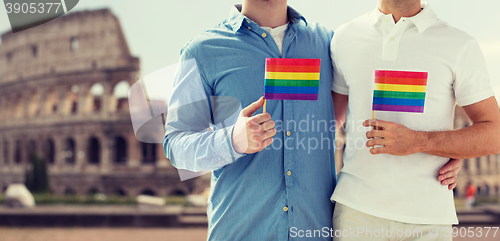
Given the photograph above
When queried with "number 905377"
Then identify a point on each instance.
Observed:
(25, 7)
(471, 232)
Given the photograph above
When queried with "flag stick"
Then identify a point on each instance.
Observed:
(373, 128)
(264, 107)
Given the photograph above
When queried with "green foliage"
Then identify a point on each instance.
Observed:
(175, 200)
(488, 200)
(36, 177)
(1, 199)
(81, 200)
(49, 199)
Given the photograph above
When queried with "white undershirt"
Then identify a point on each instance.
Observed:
(278, 35)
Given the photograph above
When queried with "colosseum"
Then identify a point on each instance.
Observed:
(63, 96)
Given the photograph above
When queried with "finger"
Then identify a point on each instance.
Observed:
(268, 134)
(375, 133)
(268, 125)
(448, 174)
(267, 142)
(375, 142)
(379, 150)
(250, 109)
(452, 186)
(375, 123)
(260, 118)
(449, 181)
(451, 165)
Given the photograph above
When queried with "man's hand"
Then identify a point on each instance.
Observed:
(396, 139)
(252, 134)
(448, 174)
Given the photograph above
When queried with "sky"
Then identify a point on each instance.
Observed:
(156, 30)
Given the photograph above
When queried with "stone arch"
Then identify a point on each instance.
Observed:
(69, 191)
(49, 151)
(7, 113)
(148, 191)
(177, 192)
(17, 152)
(72, 100)
(74, 44)
(478, 165)
(92, 191)
(120, 150)
(94, 150)
(120, 96)
(6, 152)
(120, 192)
(34, 104)
(32, 151)
(95, 97)
(148, 153)
(69, 151)
(18, 107)
(51, 100)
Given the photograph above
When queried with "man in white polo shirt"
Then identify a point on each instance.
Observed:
(391, 190)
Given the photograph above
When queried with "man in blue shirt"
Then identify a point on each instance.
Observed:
(274, 172)
(265, 186)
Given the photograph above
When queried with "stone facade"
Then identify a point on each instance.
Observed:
(60, 98)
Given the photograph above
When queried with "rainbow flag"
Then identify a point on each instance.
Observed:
(399, 91)
(292, 79)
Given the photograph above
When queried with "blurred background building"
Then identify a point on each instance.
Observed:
(63, 97)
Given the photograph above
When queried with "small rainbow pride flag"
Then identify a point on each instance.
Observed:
(292, 79)
(399, 91)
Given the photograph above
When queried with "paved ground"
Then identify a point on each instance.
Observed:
(102, 234)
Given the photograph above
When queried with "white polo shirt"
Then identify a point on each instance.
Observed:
(406, 188)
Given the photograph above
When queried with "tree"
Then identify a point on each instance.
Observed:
(37, 180)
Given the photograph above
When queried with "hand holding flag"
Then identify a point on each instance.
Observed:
(396, 91)
(253, 133)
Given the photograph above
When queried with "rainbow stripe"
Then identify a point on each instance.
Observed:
(292, 79)
(399, 91)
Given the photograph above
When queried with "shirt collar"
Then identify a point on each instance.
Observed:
(236, 19)
(423, 20)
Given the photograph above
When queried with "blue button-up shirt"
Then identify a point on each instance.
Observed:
(286, 188)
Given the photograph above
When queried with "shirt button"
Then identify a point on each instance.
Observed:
(288, 133)
(264, 35)
(248, 21)
(285, 209)
(289, 173)
(249, 27)
(385, 20)
(391, 38)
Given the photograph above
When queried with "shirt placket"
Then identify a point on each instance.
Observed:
(289, 137)
(287, 107)
(392, 37)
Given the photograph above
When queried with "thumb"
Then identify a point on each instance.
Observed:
(250, 109)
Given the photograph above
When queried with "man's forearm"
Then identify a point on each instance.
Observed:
(205, 151)
(480, 139)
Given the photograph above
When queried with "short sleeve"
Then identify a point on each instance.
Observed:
(339, 84)
(472, 82)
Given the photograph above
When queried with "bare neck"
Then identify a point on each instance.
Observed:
(400, 8)
(266, 13)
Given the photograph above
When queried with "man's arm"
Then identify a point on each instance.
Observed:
(480, 139)
(339, 107)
